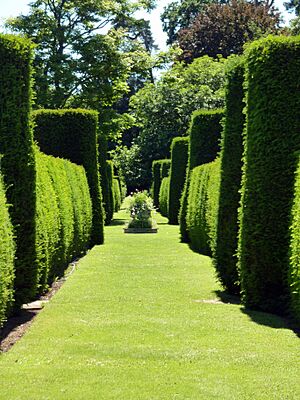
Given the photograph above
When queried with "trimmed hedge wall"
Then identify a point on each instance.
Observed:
(164, 196)
(165, 166)
(225, 258)
(105, 186)
(7, 255)
(117, 194)
(202, 208)
(72, 134)
(271, 139)
(294, 270)
(160, 170)
(204, 136)
(110, 177)
(64, 216)
(179, 159)
(18, 163)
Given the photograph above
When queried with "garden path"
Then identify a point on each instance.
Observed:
(140, 320)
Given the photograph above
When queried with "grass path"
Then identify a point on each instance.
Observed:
(130, 324)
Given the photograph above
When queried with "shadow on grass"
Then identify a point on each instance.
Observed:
(260, 317)
(227, 298)
(117, 222)
(15, 327)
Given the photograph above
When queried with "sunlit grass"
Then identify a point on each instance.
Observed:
(131, 324)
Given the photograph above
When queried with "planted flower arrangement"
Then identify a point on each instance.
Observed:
(141, 209)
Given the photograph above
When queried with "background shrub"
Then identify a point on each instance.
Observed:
(294, 270)
(64, 216)
(164, 196)
(7, 255)
(204, 136)
(179, 158)
(225, 258)
(271, 138)
(72, 134)
(117, 194)
(110, 177)
(156, 166)
(202, 208)
(105, 185)
(18, 162)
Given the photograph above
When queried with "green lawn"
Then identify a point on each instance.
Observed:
(130, 324)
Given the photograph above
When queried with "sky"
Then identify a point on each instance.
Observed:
(13, 8)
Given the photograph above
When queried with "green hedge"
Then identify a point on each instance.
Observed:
(7, 253)
(225, 258)
(18, 163)
(294, 269)
(156, 166)
(164, 196)
(110, 177)
(105, 186)
(117, 194)
(72, 134)
(64, 216)
(165, 166)
(271, 139)
(202, 207)
(204, 136)
(179, 158)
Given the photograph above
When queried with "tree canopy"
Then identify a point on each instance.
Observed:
(162, 111)
(84, 48)
(225, 28)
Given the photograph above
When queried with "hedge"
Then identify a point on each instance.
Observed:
(294, 269)
(7, 254)
(110, 177)
(179, 158)
(117, 194)
(165, 166)
(164, 196)
(18, 162)
(156, 166)
(202, 207)
(72, 134)
(225, 258)
(64, 216)
(204, 136)
(105, 186)
(271, 139)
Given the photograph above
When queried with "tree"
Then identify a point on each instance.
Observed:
(73, 52)
(293, 5)
(162, 111)
(224, 28)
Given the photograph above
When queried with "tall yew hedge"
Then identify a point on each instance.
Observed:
(164, 196)
(204, 136)
(202, 206)
(18, 162)
(72, 134)
(271, 139)
(225, 258)
(294, 269)
(156, 181)
(7, 254)
(179, 158)
(105, 185)
(64, 216)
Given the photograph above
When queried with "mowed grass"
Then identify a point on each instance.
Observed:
(130, 324)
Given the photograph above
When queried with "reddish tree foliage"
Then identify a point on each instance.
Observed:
(224, 28)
